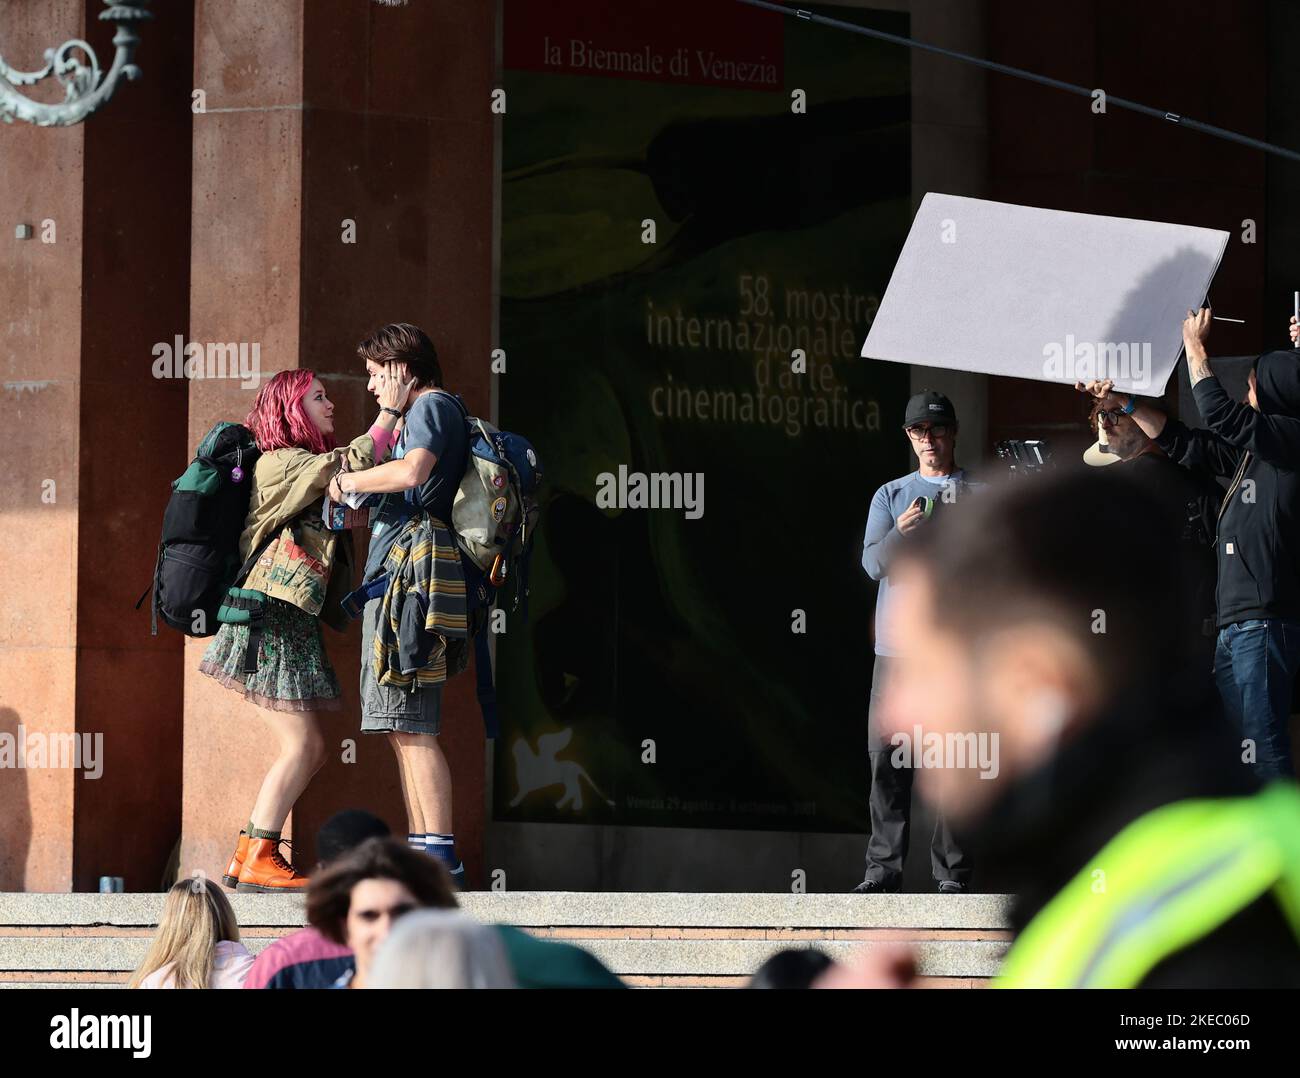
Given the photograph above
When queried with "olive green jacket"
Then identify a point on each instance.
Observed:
(313, 570)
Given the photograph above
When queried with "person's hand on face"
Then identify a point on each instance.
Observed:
(395, 385)
(910, 519)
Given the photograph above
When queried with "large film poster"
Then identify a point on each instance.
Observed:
(675, 223)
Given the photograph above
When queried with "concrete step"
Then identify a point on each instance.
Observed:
(651, 939)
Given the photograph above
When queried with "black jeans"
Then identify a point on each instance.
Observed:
(890, 802)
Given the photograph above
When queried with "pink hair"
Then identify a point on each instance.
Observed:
(278, 420)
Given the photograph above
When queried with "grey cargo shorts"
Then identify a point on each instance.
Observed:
(385, 708)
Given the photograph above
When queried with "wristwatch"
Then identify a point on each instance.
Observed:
(1129, 408)
(392, 411)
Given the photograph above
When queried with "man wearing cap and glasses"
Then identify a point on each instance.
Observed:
(899, 508)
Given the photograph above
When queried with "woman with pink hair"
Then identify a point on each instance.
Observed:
(276, 656)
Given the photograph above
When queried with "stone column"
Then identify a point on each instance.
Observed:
(89, 441)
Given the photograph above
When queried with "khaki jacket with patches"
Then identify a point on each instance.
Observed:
(313, 570)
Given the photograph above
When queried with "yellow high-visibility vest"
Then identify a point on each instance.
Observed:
(1167, 880)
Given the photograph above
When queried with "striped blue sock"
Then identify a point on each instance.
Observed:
(442, 847)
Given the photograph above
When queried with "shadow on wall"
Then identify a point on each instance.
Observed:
(16, 831)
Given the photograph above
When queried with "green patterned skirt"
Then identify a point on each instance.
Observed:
(293, 671)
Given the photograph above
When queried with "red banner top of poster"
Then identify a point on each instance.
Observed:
(700, 42)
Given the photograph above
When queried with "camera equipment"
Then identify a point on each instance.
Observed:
(1025, 456)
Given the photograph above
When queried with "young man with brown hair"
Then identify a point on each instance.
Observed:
(428, 462)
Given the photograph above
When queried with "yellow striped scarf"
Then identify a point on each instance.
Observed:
(424, 561)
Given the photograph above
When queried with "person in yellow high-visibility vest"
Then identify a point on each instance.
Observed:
(1074, 744)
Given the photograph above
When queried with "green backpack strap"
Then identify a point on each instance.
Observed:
(241, 606)
(244, 606)
(1168, 879)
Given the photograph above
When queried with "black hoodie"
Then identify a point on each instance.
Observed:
(1258, 541)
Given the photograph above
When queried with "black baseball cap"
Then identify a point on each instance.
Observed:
(929, 407)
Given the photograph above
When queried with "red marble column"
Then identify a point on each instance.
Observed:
(81, 410)
(41, 174)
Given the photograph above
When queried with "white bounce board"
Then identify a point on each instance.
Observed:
(1044, 294)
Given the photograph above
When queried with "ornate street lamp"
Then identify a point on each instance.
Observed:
(84, 90)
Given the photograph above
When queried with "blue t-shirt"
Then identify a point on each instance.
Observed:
(434, 422)
(882, 537)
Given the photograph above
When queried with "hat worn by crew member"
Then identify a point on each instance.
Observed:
(1100, 454)
(929, 407)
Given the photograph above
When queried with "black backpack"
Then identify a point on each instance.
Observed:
(198, 556)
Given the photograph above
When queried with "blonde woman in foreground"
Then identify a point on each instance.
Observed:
(197, 944)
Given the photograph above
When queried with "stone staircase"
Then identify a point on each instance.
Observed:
(648, 939)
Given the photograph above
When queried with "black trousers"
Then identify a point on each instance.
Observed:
(890, 802)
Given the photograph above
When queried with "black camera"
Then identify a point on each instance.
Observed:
(1025, 456)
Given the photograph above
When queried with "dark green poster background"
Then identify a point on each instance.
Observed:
(775, 231)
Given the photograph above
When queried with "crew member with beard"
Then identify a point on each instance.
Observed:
(1190, 494)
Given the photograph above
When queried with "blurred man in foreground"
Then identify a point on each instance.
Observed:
(1141, 852)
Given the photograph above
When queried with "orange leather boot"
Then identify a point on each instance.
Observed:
(231, 878)
(265, 871)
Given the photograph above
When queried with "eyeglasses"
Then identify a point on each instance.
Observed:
(935, 430)
(1110, 418)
